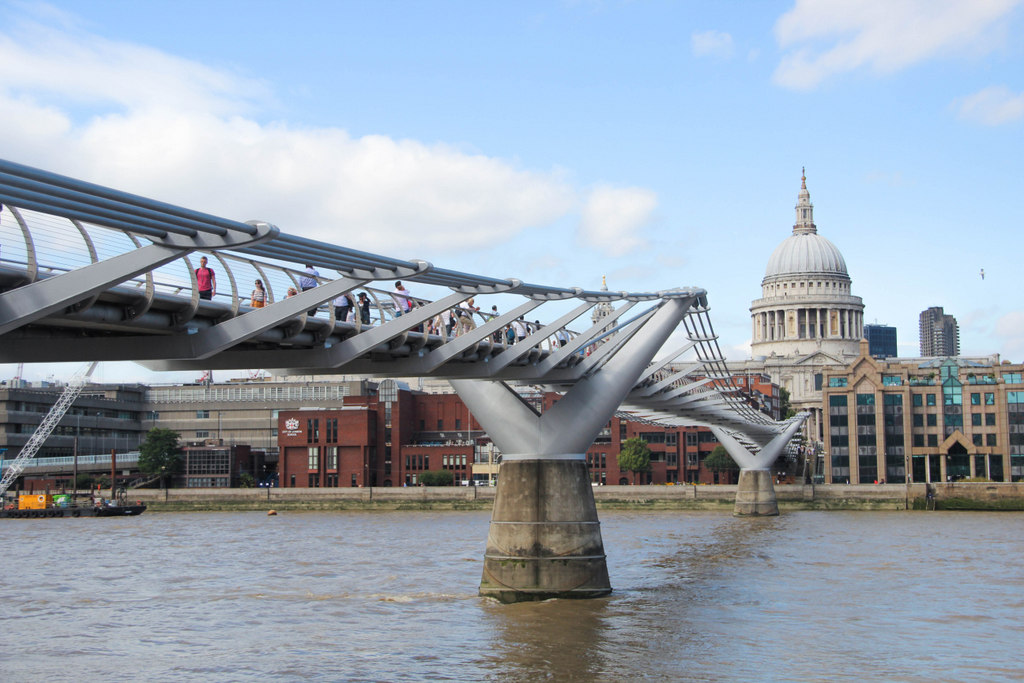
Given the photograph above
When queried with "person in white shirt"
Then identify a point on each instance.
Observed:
(465, 313)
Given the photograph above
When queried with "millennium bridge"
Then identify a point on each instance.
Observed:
(90, 273)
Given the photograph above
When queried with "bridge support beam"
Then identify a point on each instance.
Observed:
(755, 494)
(545, 537)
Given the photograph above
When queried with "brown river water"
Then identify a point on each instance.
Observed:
(391, 596)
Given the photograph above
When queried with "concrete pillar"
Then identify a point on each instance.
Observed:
(545, 537)
(755, 495)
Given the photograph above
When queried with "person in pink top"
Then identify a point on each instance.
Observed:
(206, 280)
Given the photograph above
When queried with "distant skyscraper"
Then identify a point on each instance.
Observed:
(881, 340)
(940, 335)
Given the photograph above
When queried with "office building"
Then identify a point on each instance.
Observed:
(929, 419)
(881, 340)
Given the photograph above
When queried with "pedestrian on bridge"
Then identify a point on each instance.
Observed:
(206, 280)
(402, 298)
(309, 281)
(258, 299)
(364, 308)
(342, 307)
(464, 313)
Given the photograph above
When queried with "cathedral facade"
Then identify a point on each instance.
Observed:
(807, 319)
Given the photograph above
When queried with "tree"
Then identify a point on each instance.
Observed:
(437, 478)
(160, 454)
(634, 457)
(785, 408)
(719, 460)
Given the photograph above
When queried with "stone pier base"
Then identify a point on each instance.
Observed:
(545, 538)
(755, 495)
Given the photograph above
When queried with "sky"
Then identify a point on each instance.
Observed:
(658, 144)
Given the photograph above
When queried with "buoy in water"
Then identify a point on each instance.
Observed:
(271, 513)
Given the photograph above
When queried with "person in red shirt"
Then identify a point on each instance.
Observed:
(206, 280)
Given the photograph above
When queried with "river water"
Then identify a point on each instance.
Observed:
(391, 596)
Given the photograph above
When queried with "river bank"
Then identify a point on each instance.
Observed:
(950, 496)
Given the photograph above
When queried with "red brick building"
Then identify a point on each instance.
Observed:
(392, 437)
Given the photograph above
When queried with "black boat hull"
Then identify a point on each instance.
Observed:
(119, 511)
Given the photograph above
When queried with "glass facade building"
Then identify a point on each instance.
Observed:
(924, 420)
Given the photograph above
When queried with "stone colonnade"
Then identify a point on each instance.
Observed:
(787, 324)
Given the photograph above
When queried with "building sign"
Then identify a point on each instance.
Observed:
(291, 427)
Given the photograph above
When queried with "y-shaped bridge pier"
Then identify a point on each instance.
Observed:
(92, 273)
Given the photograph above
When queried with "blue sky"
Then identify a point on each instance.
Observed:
(656, 143)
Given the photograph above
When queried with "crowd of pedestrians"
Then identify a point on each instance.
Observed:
(349, 306)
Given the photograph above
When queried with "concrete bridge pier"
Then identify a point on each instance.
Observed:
(755, 494)
(545, 537)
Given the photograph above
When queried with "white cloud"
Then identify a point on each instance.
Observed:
(612, 217)
(154, 124)
(992, 106)
(712, 44)
(823, 38)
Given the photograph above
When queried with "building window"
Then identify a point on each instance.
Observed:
(332, 457)
(891, 380)
(976, 420)
(917, 400)
(312, 430)
(918, 420)
(440, 425)
(933, 440)
(975, 399)
(932, 420)
(837, 381)
(202, 435)
(332, 430)
(1012, 377)
(990, 419)
(314, 458)
(990, 399)
(990, 440)
(930, 399)
(976, 438)
(202, 414)
(918, 440)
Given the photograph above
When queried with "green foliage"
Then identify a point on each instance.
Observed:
(719, 460)
(785, 408)
(634, 457)
(160, 453)
(246, 481)
(437, 478)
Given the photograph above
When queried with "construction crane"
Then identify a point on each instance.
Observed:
(46, 427)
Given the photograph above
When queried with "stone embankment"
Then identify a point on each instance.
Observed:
(952, 496)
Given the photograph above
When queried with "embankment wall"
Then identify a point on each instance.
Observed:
(950, 496)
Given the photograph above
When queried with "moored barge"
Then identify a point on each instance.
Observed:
(37, 506)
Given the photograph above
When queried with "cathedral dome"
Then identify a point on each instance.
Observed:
(803, 254)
